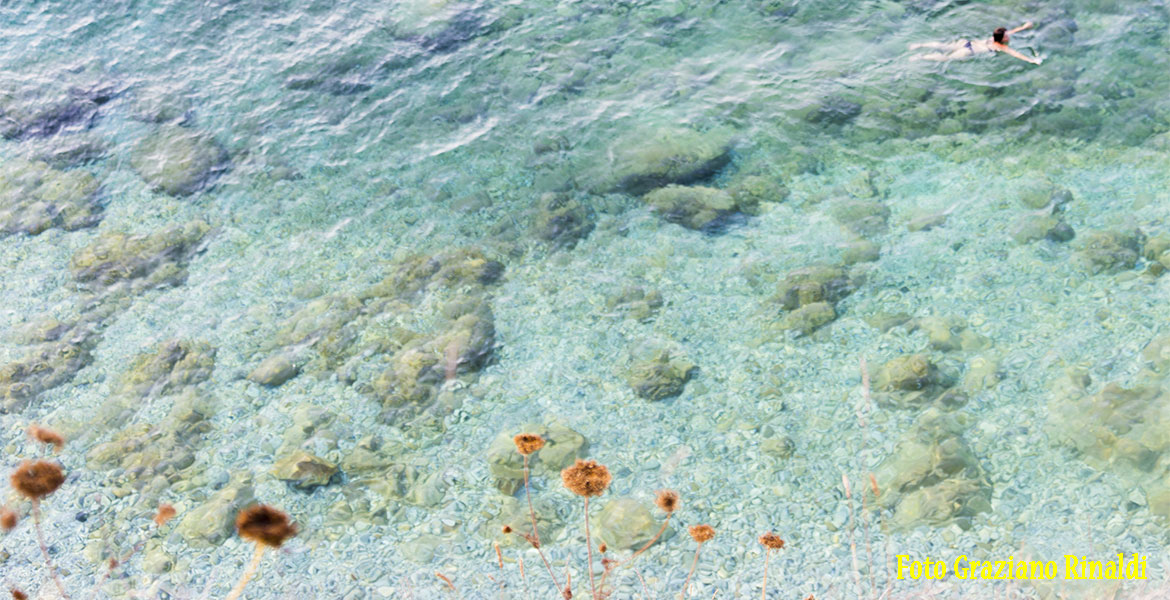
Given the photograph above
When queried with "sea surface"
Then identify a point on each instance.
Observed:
(332, 256)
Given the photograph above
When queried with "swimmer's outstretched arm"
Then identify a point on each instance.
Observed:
(1012, 52)
(1027, 25)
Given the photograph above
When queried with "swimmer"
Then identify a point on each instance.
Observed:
(998, 42)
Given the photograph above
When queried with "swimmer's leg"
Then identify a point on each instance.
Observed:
(936, 45)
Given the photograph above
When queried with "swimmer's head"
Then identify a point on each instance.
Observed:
(1000, 35)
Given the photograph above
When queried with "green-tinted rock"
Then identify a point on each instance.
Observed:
(749, 192)
(932, 477)
(150, 260)
(1157, 353)
(635, 302)
(514, 513)
(660, 376)
(177, 160)
(808, 285)
(1031, 227)
(927, 222)
(562, 220)
(35, 197)
(912, 380)
(860, 251)
(1044, 196)
(1123, 430)
(863, 217)
(645, 161)
(43, 367)
(1109, 251)
(627, 524)
(562, 446)
(169, 366)
(949, 333)
(809, 318)
(274, 371)
(692, 207)
(304, 470)
(213, 521)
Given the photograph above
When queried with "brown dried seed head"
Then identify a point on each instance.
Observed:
(527, 443)
(18, 595)
(37, 479)
(263, 524)
(46, 436)
(7, 519)
(771, 541)
(701, 533)
(165, 513)
(667, 500)
(507, 529)
(602, 548)
(586, 478)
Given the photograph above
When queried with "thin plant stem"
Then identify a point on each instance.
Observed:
(248, 573)
(764, 589)
(852, 542)
(652, 540)
(535, 532)
(645, 591)
(694, 563)
(36, 512)
(629, 561)
(589, 548)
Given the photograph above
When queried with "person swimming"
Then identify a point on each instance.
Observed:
(998, 42)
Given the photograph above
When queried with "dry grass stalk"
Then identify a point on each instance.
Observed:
(701, 534)
(771, 542)
(527, 444)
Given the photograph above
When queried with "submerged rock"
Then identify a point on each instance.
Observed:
(141, 261)
(860, 251)
(172, 365)
(1050, 197)
(304, 470)
(695, 207)
(213, 521)
(1109, 251)
(949, 333)
(36, 110)
(913, 380)
(68, 152)
(932, 477)
(562, 446)
(1032, 227)
(750, 191)
(810, 296)
(35, 197)
(863, 217)
(816, 283)
(645, 161)
(661, 375)
(562, 220)
(627, 524)
(274, 371)
(514, 513)
(43, 367)
(177, 160)
(635, 302)
(809, 318)
(833, 110)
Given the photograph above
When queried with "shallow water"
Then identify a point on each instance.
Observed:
(360, 136)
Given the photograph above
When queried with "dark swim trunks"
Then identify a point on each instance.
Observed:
(969, 48)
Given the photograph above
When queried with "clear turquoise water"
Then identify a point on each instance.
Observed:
(418, 127)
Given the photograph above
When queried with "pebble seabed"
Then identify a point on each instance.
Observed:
(447, 145)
